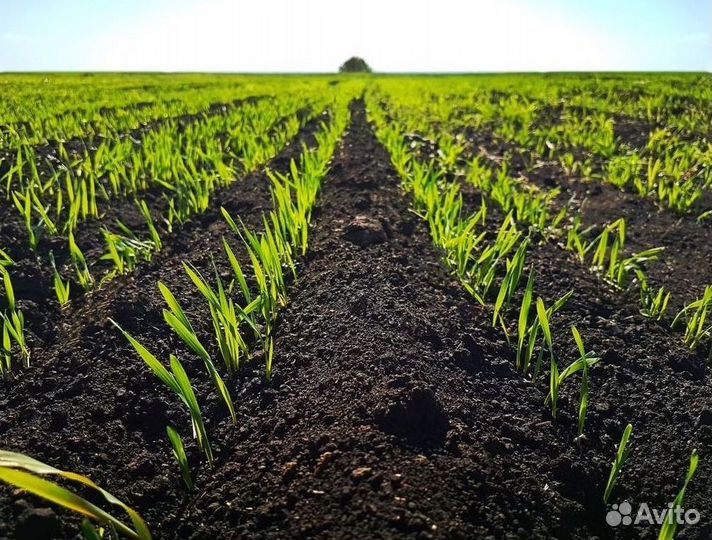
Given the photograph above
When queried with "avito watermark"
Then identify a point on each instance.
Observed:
(622, 514)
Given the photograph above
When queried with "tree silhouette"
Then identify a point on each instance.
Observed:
(355, 65)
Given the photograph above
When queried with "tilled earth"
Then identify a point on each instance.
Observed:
(394, 411)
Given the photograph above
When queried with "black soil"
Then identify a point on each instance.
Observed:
(684, 268)
(32, 272)
(394, 410)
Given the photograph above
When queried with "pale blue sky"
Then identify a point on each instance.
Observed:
(393, 35)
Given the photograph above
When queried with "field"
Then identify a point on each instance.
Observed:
(355, 306)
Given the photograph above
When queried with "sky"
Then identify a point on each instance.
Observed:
(392, 35)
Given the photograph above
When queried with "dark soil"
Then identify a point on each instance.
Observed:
(87, 403)
(632, 132)
(642, 363)
(394, 410)
(684, 268)
(48, 159)
(32, 273)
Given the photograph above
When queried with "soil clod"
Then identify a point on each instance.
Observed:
(365, 231)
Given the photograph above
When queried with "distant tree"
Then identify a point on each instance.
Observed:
(355, 65)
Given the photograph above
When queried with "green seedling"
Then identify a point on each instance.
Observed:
(554, 367)
(177, 380)
(510, 284)
(654, 305)
(528, 332)
(584, 363)
(125, 251)
(13, 328)
(155, 237)
(669, 528)
(226, 316)
(583, 397)
(618, 462)
(696, 316)
(5, 259)
(26, 473)
(61, 287)
(86, 281)
(177, 320)
(181, 458)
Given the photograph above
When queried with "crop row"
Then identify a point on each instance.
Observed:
(190, 166)
(604, 253)
(487, 225)
(674, 170)
(490, 262)
(517, 169)
(243, 310)
(61, 108)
